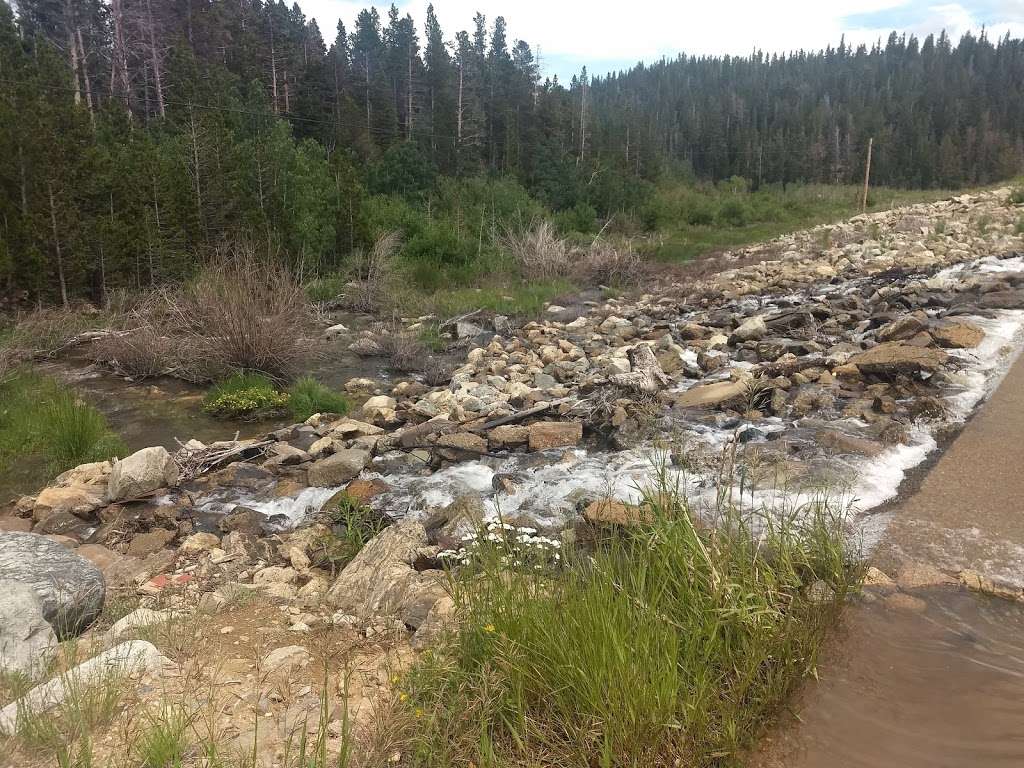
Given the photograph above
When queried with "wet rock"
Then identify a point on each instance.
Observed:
(751, 329)
(508, 436)
(141, 473)
(1002, 300)
(461, 446)
(364, 491)
(894, 357)
(27, 641)
(914, 575)
(338, 468)
(242, 520)
(842, 443)
(545, 435)
(900, 601)
(902, 328)
(70, 588)
(961, 335)
(879, 581)
(712, 395)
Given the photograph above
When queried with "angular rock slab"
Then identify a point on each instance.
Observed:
(143, 472)
(125, 660)
(381, 579)
(26, 641)
(69, 587)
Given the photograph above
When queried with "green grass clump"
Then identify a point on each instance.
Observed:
(307, 396)
(325, 288)
(164, 742)
(42, 419)
(354, 524)
(1017, 196)
(671, 644)
(247, 396)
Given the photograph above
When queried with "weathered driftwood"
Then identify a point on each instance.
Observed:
(512, 418)
(646, 375)
(193, 462)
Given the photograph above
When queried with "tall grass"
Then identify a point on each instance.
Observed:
(40, 417)
(307, 396)
(670, 642)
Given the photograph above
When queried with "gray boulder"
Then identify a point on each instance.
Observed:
(338, 468)
(382, 580)
(26, 640)
(143, 472)
(69, 587)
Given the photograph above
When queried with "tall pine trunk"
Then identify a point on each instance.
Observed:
(56, 247)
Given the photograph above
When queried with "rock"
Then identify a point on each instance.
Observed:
(545, 435)
(338, 468)
(903, 602)
(139, 619)
(820, 593)
(712, 395)
(440, 619)
(1002, 300)
(879, 581)
(27, 641)
(70, 588)
(508, 436)
(274, 574)
(199, 542)
(460, 446)
(283, 662)
(152, 541)
(243, 520)
(141, 473)
(17, 524)
(366, 347)
(902, 328)
(351, 428)
(842, 443)
(125, 660)
(78, 500)
(467, 330)
(751, 329)
(364, 491)
(958, 335)
(914, 575)
(334, 332)
(614, 512)
(893, 357)
(65, 525)
(381, 579)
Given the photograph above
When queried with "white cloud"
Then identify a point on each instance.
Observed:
(601, 31)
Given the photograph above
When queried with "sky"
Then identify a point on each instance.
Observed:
(608, 35)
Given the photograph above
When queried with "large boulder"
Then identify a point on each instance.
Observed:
(751, 329)
(893, 357)
(70, 588)
(143, 472)
(960, 335)
(338, 468)
(712, 395)
(545, 435)
(382, 581)
(27, 641)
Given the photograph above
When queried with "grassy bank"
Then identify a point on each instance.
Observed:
(45, 429)
(690, 221)
(672, 644)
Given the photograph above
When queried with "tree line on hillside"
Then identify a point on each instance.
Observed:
(137, 136)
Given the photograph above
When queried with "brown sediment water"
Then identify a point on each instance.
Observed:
(902, 687)
(933, 678)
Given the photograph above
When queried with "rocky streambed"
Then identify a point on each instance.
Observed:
(829, 359)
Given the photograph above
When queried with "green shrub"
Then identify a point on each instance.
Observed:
(354, 524)
(671, 640)
(248, 396)
(582, 217)
(700, 214)
(307, 396)
(733, 212)
(1017, 196)
(325, 288)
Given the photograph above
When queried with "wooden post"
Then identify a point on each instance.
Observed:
(867, 176)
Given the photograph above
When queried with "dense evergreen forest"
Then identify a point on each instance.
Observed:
(136, 136)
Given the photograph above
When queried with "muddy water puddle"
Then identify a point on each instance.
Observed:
(941, 687)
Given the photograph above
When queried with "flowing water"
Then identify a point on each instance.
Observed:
(941, 687)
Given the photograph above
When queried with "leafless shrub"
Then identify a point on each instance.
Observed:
(374, 270)
(604, 264)
(240, 313)
(405, 352)
(539, 251)
(436, 371)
